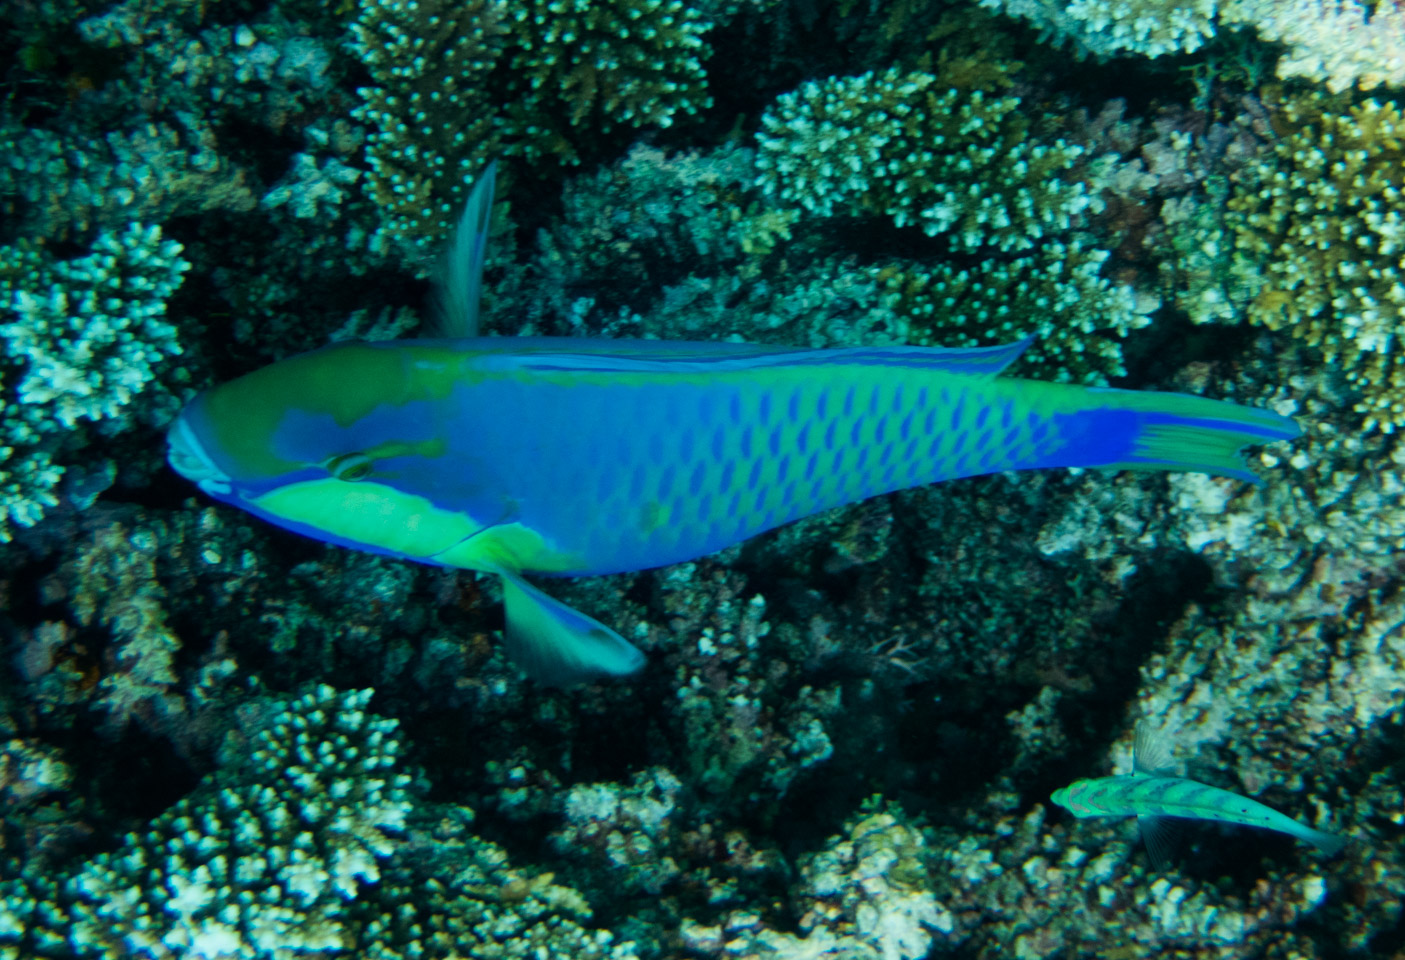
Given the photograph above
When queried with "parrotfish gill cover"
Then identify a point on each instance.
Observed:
(573, 457)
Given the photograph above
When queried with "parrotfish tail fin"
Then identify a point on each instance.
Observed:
(1132, 430)
(458, 284)
(1330, 844)
(1149, 754)
(558, 646)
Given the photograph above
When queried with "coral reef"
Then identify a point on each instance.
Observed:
(82, 338)
(1341, 43)
(1151, 28)
(532, 78)
(846, 732)
(955, 162)
(1310, 243)
(866, 896)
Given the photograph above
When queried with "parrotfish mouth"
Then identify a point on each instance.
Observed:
(187, 457)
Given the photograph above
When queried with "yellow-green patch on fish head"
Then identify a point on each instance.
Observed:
(344, 444)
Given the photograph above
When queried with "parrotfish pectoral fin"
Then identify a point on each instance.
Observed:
(558, 646)
(459, 282)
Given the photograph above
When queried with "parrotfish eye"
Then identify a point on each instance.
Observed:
(350, 467)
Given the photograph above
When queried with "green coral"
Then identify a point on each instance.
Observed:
(957, 163)
(432, 123)
(1311, 243)
(579, 64)
(81, 339)
(459, 84)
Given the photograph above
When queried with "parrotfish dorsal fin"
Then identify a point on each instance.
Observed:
(1150, 758)
(633, 356)
(559, 646)
(458, 286)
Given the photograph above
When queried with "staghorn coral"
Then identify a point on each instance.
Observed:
(577, 65)
(1311, 244)
(956, 163)
(535, 78)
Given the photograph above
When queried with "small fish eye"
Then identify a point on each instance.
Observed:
(350, 467)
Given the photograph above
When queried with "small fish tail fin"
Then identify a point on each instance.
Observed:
(1329, 844)
(1134, 430)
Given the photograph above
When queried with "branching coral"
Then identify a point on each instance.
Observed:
(866, 896)
(1110, 27)
(81, 339)
(432, 121)
(1057, 294)
(579, 63)
(956, 163)
(1337, 42)
(457, 85)
(1312, 244)
(260, 863)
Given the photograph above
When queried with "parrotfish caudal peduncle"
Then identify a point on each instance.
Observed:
(1153, 793)
(573, 457)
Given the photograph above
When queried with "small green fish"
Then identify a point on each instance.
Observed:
(1152, 794)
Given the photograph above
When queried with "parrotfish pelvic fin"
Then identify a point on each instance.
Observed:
(557, 645)
(459, 279)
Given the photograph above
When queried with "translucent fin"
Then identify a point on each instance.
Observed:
(626, 356)
(558, 646)
(1175, 431)
(1150, 757)
(1159, 834)
(1330, 844)
(459, 281)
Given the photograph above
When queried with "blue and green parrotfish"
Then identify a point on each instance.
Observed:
(1153, 794)
(576, 457)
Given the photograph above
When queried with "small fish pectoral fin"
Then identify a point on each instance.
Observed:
(1159, 835)
(559, 646)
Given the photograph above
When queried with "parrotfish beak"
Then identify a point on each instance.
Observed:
(188, 457)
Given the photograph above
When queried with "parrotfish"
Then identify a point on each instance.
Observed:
(576, 457)
(1152, 794)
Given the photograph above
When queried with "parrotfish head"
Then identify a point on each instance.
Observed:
(344, 444)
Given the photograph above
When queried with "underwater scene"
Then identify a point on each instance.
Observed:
(646, 480)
